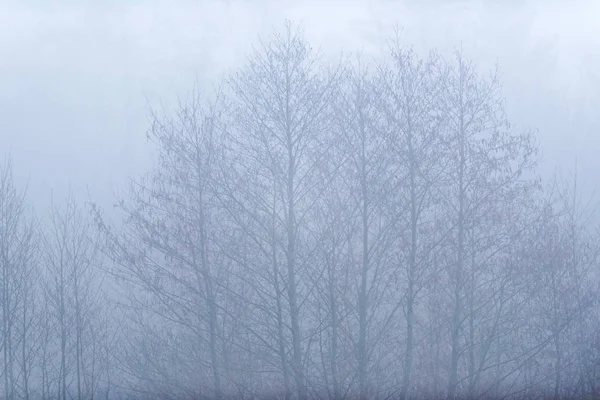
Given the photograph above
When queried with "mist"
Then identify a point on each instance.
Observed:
(218, 274)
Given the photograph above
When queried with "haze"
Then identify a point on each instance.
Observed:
(330, 229)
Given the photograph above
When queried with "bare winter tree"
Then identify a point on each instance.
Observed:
(412, 90)
(280, 138)
(564, 294)
(169, 254)
(30, 309)
(488, 169)
(72, 285)
(367, 228)
(17, 263)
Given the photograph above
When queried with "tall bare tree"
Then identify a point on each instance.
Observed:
(368, 224)
(412, 89)
(490, 165)
(283, 119)
(168, 249)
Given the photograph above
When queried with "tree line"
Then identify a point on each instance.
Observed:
(363, 229)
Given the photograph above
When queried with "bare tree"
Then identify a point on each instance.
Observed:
(412, 89)
(17, 264)
(564, 297)
(28, 328)
(368, 224)
(282, 100)
(489, 166)
(73, 292)
(169, 251)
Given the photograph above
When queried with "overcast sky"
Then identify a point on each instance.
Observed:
(76, 77)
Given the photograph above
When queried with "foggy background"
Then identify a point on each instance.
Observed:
(286, 237)
(76, 78)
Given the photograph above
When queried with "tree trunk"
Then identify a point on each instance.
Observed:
(210, 297)
(25, 367)
(412, 265)
(291, 269)
(457, 312)
(280, 332)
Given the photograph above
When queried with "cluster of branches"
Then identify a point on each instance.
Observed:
(370, 230)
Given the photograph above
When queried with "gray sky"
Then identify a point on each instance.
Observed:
(75, 76)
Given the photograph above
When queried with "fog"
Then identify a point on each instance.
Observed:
(77, 79)
(84, 84)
